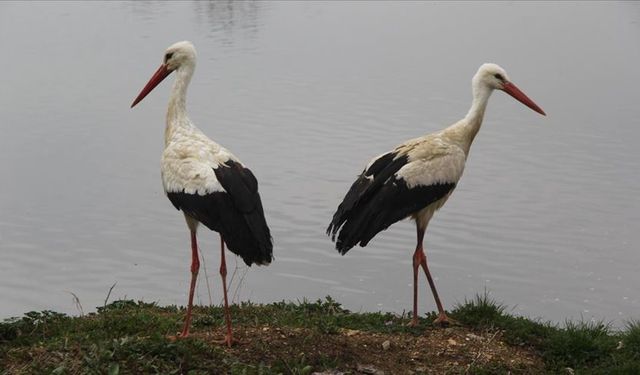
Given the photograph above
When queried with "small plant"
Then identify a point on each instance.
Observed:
(480, 311)
(631, 339)
(579, 345)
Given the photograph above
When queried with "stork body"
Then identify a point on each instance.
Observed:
(207, 182)
(415, 179)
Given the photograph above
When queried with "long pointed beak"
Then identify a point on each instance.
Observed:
(157, 77)
(515, 92)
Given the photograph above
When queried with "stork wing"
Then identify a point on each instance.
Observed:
(229, 205)
(394, 186)
(368, 182)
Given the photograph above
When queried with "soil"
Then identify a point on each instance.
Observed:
(453, 350)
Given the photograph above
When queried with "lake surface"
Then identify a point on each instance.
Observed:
(546, 218)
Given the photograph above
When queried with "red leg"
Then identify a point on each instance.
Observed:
(416, 265)
(228, 339)
(421, 258)
(442, 316)
(195, 266)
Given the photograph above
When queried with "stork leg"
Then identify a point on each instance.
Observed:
(416, 265)
(228, 338)
(195, 267)
(420, 259)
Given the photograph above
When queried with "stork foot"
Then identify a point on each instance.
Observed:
(444, 321)
(184, 334)
(413, 322)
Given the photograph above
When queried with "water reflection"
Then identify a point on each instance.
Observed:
(229, 21)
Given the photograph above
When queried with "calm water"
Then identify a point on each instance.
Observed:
(546, 217)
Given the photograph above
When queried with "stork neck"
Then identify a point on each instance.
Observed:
(178, 99)
(473, 120)
(177, 110)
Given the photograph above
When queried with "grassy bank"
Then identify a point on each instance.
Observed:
(303, 338)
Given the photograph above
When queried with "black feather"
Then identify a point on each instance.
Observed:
(236, 214)
(240, 183)
(393, 202)
(373, 204)
(367, 183)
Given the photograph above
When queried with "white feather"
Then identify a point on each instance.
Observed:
(188, 163)
(432, 161)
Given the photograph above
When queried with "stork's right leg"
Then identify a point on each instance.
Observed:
(420, 259)
(195, 267)
(442, 318)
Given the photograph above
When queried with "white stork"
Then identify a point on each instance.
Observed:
(415, 179)
(208, 183)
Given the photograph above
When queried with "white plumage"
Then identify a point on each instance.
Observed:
(188, 165)
(432, 161)
(416, 178)
(205, 181)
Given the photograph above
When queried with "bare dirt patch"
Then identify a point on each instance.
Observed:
(438, 351)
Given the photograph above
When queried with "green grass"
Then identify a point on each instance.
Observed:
(585, 347)
(325, 316)
(124, 334)
(131, 337)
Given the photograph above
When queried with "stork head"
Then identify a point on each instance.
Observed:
(493, 77)
(178, 55)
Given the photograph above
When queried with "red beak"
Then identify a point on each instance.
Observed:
(157, 77)
(514, 91)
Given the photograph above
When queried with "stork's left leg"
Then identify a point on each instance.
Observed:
(421, 258)
(228, 338)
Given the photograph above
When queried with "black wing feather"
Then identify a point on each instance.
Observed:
(381, 169)
(240, 183)
(236, 214)
(372, 204)
(393, 202)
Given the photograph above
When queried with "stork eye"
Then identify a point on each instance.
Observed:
(499, 76)
(168, 56)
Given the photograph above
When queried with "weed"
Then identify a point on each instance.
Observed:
(631, 339)
(580, 344)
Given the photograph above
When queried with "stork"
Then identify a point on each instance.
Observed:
(415, 179)
(208, 183)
